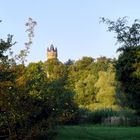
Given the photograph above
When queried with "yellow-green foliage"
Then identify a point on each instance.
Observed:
(85, 90)
(106, 95)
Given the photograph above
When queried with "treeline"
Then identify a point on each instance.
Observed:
(93, 82)
(36, 98)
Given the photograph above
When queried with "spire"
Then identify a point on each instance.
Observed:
(51, 47)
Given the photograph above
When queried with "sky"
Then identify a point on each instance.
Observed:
(71, 25)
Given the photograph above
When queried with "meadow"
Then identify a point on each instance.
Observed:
(91, 132)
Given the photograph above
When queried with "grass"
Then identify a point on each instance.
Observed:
(90, 132)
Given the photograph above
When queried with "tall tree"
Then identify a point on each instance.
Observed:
(85, 90)
(127, 65)
(106, 84)
(21, 57)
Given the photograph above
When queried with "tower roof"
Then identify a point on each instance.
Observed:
(51, 47)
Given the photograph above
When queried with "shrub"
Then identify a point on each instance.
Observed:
(122, 118)
(96, 116)
(109, 117)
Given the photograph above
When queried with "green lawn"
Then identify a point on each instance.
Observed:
(90, 132)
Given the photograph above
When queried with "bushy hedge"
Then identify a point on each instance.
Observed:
(109, 117)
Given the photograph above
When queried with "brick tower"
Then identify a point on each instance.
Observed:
(51, 52)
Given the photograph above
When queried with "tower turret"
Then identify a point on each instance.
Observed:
(51, 52)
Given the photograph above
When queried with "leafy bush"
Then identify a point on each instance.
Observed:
(109, 117)
(97, 115)
(44, 130)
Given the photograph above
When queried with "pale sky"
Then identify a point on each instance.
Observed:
(72, 25)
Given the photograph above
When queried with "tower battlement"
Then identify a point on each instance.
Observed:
(51, 52)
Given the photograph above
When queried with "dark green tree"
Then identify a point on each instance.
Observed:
(127, 65)
(61, 95)
(7, 87)
(55, 69)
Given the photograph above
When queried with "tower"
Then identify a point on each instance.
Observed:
(51, 52)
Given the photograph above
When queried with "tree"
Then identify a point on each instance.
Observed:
(106, 84)
(69, 63)
(59, 94)
(22, 115)
(55, 69)
(82, 77)
(84, 63)
(5, 46)
(101, 64)
(85, 90)
(7, 90)
(21, 57)
(79, 69)
(12, 83)
(35, 76)
(127, 65)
